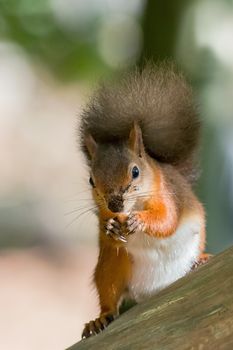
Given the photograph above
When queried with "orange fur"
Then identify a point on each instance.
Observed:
(158, 220)
(112, 273)
(159, 215)
(203, 231)
(111, 276)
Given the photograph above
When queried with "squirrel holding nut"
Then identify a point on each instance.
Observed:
(140, 137)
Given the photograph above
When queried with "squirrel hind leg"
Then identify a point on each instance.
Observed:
(96, 326)
(203, 259)
(111, 277)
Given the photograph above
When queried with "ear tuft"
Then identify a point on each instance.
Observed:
(90, 144)
(135, 140)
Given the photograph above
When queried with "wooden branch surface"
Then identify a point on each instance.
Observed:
(194, 313)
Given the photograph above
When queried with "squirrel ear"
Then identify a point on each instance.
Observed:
(90, 144)
(135, 140)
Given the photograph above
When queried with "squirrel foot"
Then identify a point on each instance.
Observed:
(114, 229)
(96, 326)
(203, 259)
(134, 223)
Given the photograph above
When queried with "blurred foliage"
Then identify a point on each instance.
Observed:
(33, 26)
(169, 32)
(71, 52)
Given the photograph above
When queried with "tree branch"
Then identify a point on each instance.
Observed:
(195, 312)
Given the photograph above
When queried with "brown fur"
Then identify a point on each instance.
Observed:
(148, 119)
(160, 101)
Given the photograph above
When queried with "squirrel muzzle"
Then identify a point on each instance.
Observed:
(115, 203)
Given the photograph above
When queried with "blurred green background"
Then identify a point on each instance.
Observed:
(52, 53)
(79, 41)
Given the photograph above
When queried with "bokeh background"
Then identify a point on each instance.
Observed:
(52, 53)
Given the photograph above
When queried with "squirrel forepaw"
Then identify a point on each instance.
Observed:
(113, 229)
(134, 223)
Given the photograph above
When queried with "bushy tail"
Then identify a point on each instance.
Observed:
(161, 101)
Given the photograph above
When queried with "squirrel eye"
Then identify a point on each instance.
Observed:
(91, 182)
(135, 172)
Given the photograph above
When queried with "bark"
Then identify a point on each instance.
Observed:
(195, 312)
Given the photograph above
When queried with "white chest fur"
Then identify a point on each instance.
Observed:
(159, 262)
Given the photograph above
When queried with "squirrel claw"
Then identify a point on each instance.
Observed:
(117, 237)
(134, 223)
(203, 259)
(96, 326)
(113, 229)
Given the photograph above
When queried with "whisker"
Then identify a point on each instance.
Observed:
(80, 199)
(142, 194)
(78, 216)
(78, 209)
(86, 211)
(150, 193)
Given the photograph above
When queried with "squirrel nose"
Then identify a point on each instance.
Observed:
(115, 204)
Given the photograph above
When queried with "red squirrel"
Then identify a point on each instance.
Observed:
(140, 137)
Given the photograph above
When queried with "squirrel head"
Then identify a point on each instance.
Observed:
(120, 173)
